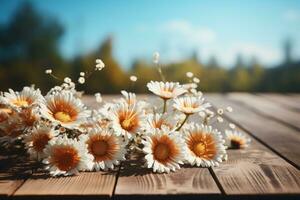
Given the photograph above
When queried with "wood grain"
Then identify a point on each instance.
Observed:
(87, 184)
(256, 171)
(286, 101)
(268, 108)
(280, 138)
(136, 182)
(13, 172)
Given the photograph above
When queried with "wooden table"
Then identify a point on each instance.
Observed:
(268, 169)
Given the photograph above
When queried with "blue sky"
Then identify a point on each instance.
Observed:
(175, 28)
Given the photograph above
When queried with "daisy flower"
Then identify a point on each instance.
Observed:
(158, 121)
(166, 90)
(165, 150)
(126, 120)
(236, 139)
(67, 156)
(29, 116)
(190, 104)
(26, 98)
(37, 140)
(5, 113)
(64, 109)
(131, 100)
(205, 145)
(106, 148)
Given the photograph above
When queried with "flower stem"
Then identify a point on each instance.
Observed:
(185, 119)
(165, 106)
(160, 73)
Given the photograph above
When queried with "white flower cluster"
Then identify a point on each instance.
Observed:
(60, 131)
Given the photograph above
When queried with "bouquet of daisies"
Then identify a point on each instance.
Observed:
(60, 132)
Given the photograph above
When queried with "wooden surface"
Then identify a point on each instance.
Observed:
(268, 169)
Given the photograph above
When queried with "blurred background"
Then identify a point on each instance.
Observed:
(230, 45)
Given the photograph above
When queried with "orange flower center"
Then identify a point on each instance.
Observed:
(62, 116)
(202, 145)
(3, 116)
(40, 141)
(102, 147)
(164, 149)
(65, 158)
(162, 152)
(236, 143)
(99, 148)
(199, 149)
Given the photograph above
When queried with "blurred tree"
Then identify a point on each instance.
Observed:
(239, 78)
(29, 43)
(256, 72)
(111, 79)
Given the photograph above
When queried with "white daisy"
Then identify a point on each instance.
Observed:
(106, 148)
(158, 121)
(205, 145)
(127, 120)
(37, 140)
(167, 90)
(29, 116)
(236, 139)
(165, 150)
(26, 98)
(5, 113)
(190, 104)
(64, 109)
(131, 100)
(189, 74)
(67, 156)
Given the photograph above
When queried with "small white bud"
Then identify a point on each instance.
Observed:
(220, 111)
(155, 57)
(67, 80)
(229, 109)
(189, 74)
(133, 78)
(82, 74)
(202, 114)
(99, 64)
(196, 80)
(232, 126)
(81, 80)
(220, 119)
(48, 71)
(98, 97)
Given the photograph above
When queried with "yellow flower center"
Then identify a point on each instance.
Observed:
(199, 149)
(162, 152)
(21, 103)
(62, 116)
(99, 148)
(126, 124)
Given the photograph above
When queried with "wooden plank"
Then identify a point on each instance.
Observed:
(134, 182)
(86, 185)
(268, 108)
(284, 100)
(13, 173)
(283, 140)
(256, 171)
